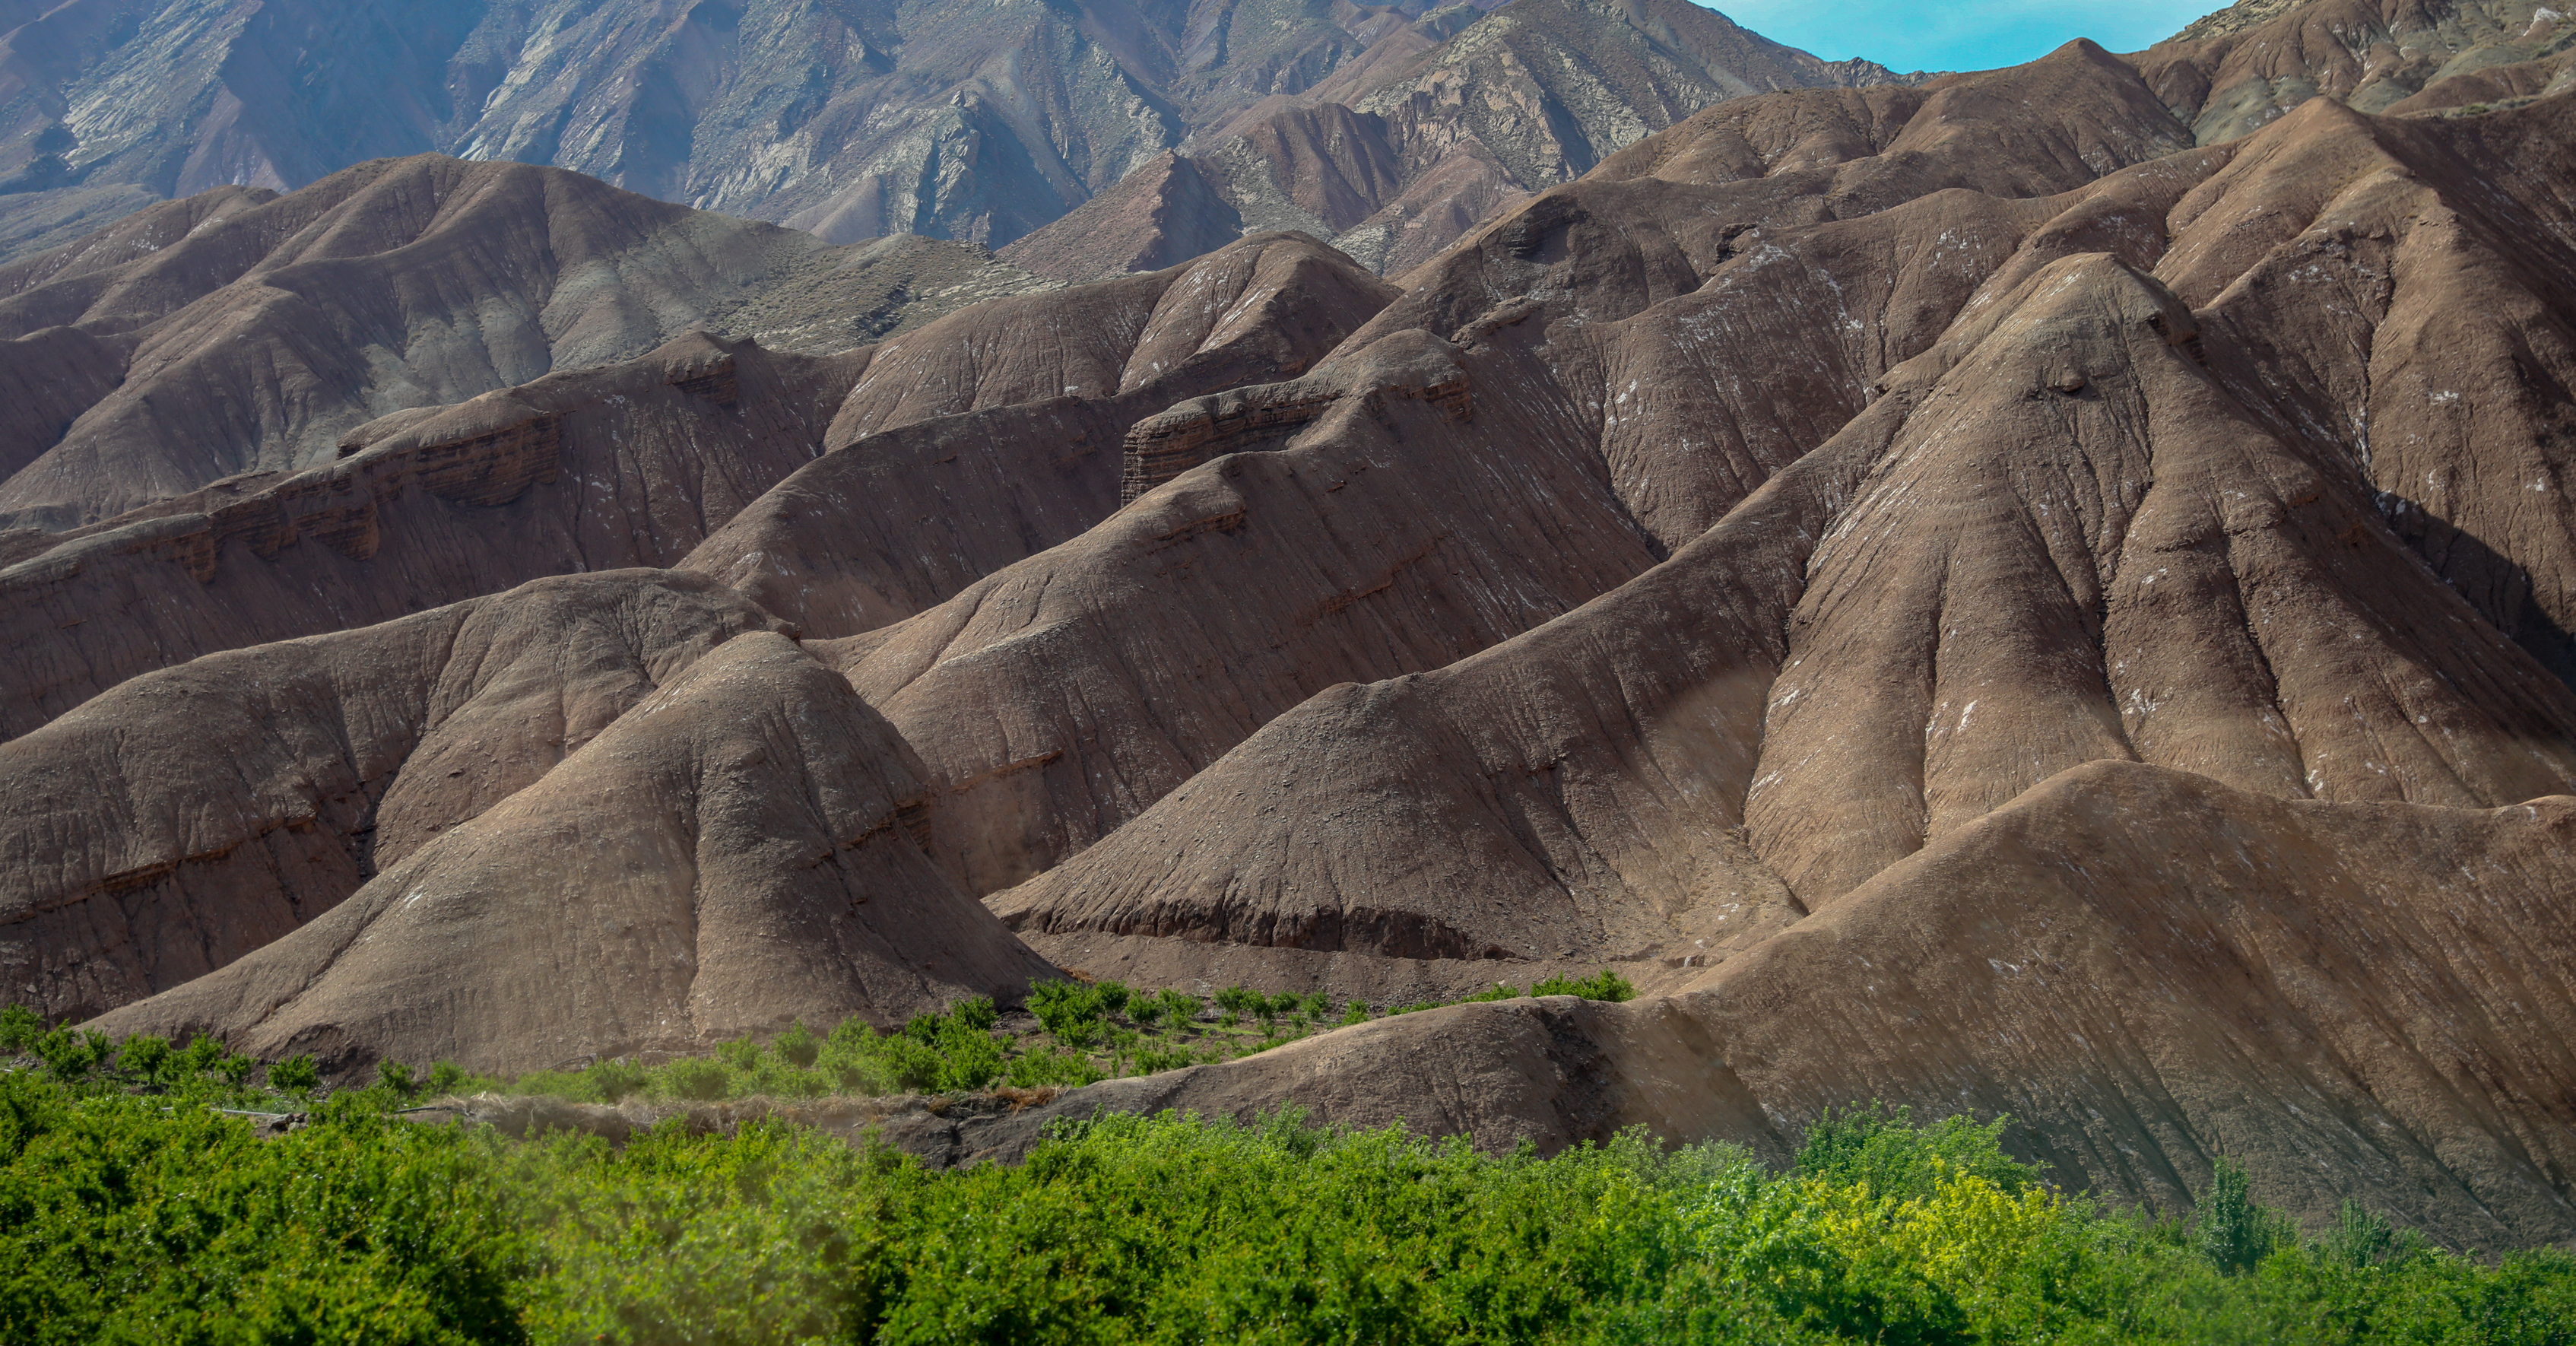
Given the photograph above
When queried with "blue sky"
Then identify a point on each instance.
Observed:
(1943, 36)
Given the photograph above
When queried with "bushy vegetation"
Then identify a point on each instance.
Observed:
(129, 1217)
(1082, 1032)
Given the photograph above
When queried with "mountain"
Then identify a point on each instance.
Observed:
(238, 331)
(1982, 594)
(1399, 154)
(973, 120)
(2241, 67)
(1431, 132)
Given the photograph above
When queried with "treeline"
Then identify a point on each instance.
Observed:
(132, 1216)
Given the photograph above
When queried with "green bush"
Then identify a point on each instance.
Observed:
(2234, 1233)
(295, 1075)
(798, 1046)
(1358, 1013)
(1882, 1151)
(1180, 1008)
(1070, 1070)
(1153, 1060)
(1603, 985)
(19, 1028)
(1068, 1010)
(699, 1078)
(146, 1056)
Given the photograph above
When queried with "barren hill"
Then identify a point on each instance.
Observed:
(1969, 594)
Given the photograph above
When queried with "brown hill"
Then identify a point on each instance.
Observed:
(731, 857)
(622, 466)
(239, 332)
(1966, 594)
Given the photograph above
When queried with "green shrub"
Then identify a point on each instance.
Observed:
(1066, 1009)
(1236, 1001)
(129, 1220)
(1606, 984)
(1112, 995)
(1497, 991)
(699, 1078)
(797, 1046)
(1180, 1008)
(236, 1069)
(1061, 1069)
(19, 1028)
(147, 1056)
(1881, 1150)
(295, 1075)
(739, 1054)
(447, 1077)
(1154, 1060)
(1358, 1013)
(395, 1076)
(977, 1012)
(70, 1054)
(202, 1056)
(2232, 1232)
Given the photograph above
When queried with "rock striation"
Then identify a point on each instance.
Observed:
(1984, 594)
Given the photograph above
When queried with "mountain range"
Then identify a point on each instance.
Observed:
(2041, 591)
(973, 120)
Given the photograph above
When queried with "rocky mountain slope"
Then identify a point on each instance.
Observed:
(1430, 133)
(1968, 594)
(242, 332)
(977, 121)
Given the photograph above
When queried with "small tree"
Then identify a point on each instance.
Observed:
(2235, 1233)
(295, 1075)
(145, 1054)
(19, 1028)
(798, 1046)
(396, 1076)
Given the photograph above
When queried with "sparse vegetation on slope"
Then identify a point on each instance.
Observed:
(1073, 1033)
(128, 1216)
